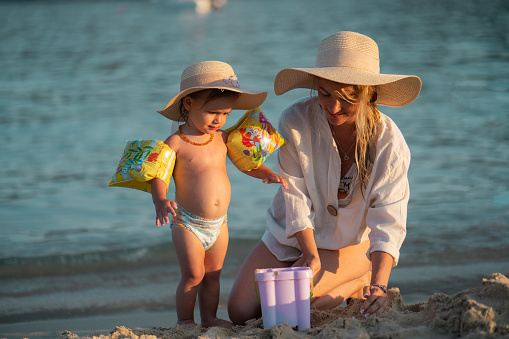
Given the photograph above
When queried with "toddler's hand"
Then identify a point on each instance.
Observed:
(163, 207)
(274, 178)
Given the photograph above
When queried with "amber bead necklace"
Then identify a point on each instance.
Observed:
(195, 143)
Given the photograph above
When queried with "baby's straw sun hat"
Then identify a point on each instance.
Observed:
(351, 58)
(210, 75)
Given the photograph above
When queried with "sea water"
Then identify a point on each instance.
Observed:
(79, 78)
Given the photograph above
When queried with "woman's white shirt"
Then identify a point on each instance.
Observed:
(311, 165)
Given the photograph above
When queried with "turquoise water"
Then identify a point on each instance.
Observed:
(81, 77)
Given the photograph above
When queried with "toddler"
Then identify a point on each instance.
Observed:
(209, 91)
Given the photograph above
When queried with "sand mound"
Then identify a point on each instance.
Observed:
(480, 312)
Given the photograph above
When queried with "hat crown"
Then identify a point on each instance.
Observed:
(351, 58)
(349, 49)
(207, 73)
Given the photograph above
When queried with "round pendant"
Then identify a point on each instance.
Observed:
(346, 157)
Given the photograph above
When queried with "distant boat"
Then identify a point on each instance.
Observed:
(206, 6)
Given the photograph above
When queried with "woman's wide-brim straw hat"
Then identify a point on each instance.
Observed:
(209, 75)
(351, 58)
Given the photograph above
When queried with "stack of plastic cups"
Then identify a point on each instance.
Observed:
(284, 296)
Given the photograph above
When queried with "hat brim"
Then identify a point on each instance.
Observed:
(392, 89)
(248, 99)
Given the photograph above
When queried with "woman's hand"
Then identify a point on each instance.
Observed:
(274, 178)
(163, 208)
(310, 257)
(314, 263)
(376, 301)
(376, 296)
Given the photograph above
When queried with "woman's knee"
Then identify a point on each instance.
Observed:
(242, 302)
(241, 310)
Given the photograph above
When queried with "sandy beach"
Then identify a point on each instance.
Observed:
(479, 312)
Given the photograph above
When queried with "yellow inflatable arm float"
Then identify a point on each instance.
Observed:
(142, 161)
(251, 140)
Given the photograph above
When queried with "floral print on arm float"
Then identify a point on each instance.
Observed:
(251, 140)
(142, 161)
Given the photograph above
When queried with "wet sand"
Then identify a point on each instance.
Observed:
(478, 312)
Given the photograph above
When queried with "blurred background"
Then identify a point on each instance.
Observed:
(80, 77)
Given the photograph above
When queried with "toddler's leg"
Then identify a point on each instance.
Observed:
(208, 295)
(190, 254)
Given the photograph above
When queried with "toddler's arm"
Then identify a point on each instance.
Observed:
(163, 206)
(268, 176)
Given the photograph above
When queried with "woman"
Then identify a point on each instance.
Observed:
(344, 214)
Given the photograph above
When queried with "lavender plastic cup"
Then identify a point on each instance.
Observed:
(284, 296)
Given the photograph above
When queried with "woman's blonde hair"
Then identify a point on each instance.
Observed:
(366, 123)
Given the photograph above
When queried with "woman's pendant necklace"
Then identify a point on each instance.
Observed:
(195, 143)
(346, 157)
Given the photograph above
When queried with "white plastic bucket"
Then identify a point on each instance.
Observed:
(284, 296)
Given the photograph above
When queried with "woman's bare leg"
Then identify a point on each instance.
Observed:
(344, 273)
(242, 303)
(335, 297)
(208, 294)
(190, 254)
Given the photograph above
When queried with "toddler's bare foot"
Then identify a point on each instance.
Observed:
(187, 324)
(217, 322)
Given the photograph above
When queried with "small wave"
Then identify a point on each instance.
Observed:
(87, 311)
(162, 253)
(71, 264)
